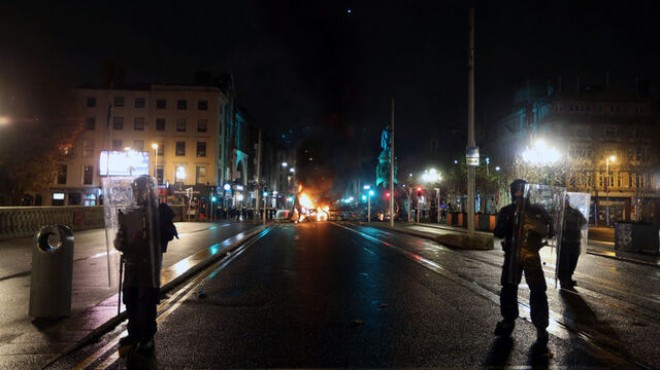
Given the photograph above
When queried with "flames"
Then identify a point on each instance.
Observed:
(309, 209)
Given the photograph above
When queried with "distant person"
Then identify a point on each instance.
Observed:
(144, 231)
(537, 225)
(569, 251)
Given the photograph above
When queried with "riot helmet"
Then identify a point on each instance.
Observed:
(143, 189)
(517, 188)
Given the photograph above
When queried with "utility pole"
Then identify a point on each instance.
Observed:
(471, 141)
(392, 165)
(257, 198)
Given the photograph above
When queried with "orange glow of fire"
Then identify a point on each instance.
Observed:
(309, 209)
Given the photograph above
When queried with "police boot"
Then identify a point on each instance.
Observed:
(504, 328)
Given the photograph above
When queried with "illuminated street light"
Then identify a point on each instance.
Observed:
(430, 177)
(541, 154)
(180, 173)
(155, 147)
(370, 192)
(609, 159)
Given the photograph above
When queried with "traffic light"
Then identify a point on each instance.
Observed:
(387, 195)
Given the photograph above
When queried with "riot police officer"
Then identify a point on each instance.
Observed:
(523, 227)
(138, 238)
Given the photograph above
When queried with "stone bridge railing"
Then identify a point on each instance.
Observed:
(21, 222)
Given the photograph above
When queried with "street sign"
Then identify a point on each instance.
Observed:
(472, 156)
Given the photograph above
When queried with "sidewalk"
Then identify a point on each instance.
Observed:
(598, 248)
(27, 343)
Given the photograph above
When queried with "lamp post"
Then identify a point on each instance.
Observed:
(431, 177)
(609, 159)
(369, 194)
(155, 147)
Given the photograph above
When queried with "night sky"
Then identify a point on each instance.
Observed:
(333, 65)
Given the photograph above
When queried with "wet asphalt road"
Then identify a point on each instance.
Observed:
(324, 295)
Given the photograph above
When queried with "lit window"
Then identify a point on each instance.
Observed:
(201, 149)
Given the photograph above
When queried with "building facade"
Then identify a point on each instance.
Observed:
(188, 136)
(607, 141)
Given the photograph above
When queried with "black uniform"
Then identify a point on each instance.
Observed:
(569, 252)
(139, 240)
(536, 227)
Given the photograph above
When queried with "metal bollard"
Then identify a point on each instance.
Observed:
(52, 272)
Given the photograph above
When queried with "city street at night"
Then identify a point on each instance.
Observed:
(333, 295)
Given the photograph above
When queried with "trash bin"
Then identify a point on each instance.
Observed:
(52, 271)
(636, 237)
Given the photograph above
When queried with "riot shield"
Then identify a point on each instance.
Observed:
(580, 202)
(575, 231)
(537, 223)
(131, 204)
(117, 194)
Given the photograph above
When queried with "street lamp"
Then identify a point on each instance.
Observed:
(155, 147)
(431, 177)
(180, 176)
(369, 194)
(609, 159)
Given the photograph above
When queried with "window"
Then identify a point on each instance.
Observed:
(90, 124)
(138, 145)
(118, 123)
(160, 124)
(202, 125)
(201, 149)
(117, 145)
(180, 148)
(202, 105)
(88, 175)
(161, 149)
(200, 176)
(88, 149)
(61, 175)
(91, 102)
(181, 125)
(138, 124)
(161, 104)
(140, 103)
(181, 104)
(119, 101)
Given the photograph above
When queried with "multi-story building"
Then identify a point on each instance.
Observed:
(189, 136)
(607, 138)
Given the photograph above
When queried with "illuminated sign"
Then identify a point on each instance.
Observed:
(124, 163)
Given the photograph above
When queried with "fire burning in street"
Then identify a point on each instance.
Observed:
(309, 209)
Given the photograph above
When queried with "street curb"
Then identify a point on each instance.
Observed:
(117, 319)
(455, 241)
(622, 258)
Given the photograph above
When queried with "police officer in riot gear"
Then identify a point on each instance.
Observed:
(138, 238)
(523, 227)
